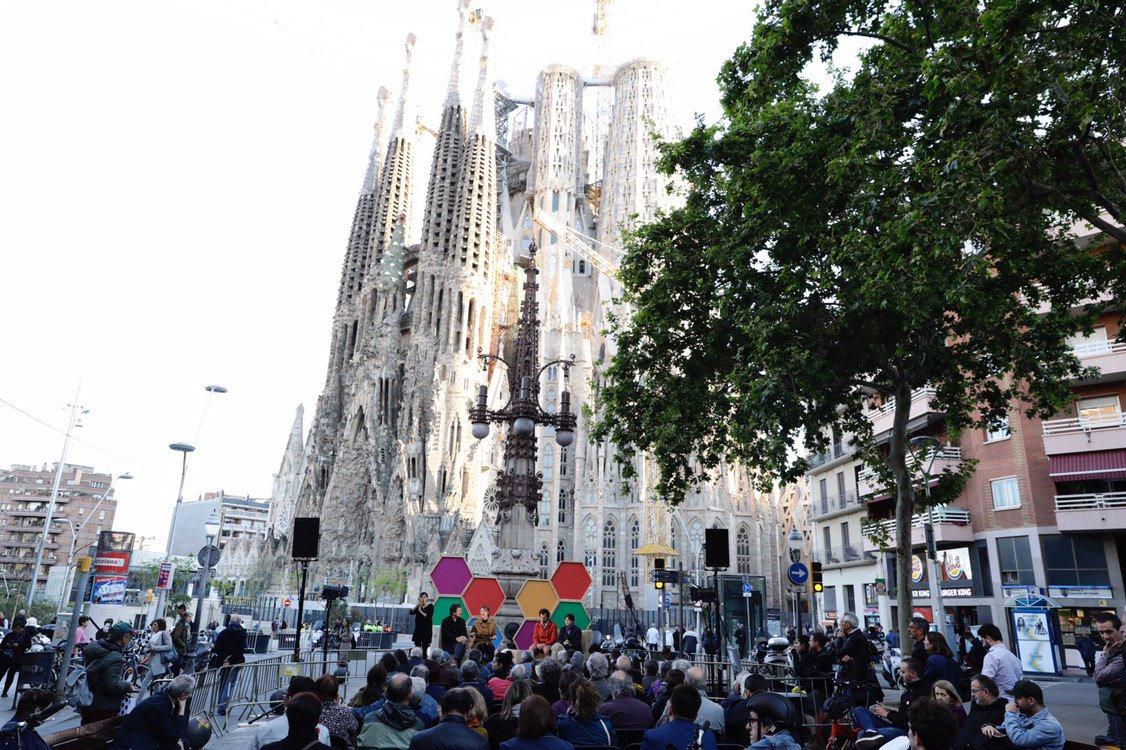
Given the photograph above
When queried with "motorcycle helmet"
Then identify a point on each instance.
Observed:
(775, 709)
(199, 732)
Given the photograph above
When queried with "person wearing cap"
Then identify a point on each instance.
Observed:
(1028, 722)
(105, 668)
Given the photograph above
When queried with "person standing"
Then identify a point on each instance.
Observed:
(1086, 648)
(180, 634)
(105, 670)
(453, 635)
(423, 612)
(917, 629)
(999, 662)
(12, 649)
(229, 650)
(1110, 676)
(653, 637)
(161, 653)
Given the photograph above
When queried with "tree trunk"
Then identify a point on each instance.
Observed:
(904, 506)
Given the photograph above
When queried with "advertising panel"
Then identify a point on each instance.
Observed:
(955, 567)
(165, 576)
(1034, 643)
(108, 589)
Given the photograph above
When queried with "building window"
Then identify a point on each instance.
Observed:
(743, 550)
(560, 552)
(1006, 493)
(1075, 560)
(590, 545)
(102, 517)
(849, 598)
(548, 465)
(1015, 558)
(634, 560)
(829, 599)
(998, 431)
(543, 511)
(1096, 410)
(609, 552)
(543, 560)
(562, 506)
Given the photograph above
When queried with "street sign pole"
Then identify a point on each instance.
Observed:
(83, 564)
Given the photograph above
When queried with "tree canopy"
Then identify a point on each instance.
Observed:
(912, 224)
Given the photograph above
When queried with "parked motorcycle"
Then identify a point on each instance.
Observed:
(889, 665)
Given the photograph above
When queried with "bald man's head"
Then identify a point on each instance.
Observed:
(399, 688)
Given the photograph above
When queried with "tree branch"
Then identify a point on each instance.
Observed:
(881, 37)
(1112, 230)
(1096, 189)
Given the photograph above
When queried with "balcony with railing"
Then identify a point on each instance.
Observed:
(949, 456)
(1091, 511)
(1100, 432)
(922, 402)
(838, 449)
(951, 527)
(832, 505)
(1108, 356)
(843, 556)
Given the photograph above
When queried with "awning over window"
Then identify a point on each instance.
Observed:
(1075, 467)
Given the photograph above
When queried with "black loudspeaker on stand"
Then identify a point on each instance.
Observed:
(716, 553)
(306, 538)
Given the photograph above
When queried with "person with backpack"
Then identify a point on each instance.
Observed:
(105, 669)
(940, 664)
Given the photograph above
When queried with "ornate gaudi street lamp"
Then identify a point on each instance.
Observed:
(518, 483)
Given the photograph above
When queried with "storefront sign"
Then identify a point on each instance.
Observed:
(115, 549)
(925, 593)
(956, 574)
(1079, 592)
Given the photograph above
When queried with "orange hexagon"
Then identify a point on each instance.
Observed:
(571, 581)
(483, 592)
(536, 594)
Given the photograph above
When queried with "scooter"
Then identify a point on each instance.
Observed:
(889, 665)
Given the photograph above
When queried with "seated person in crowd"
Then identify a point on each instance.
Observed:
(878, 723)
(548, 673)
(680, 731)
(1028, 722)
(470, 677)
(544, 635)
(395, 723)
(766, 730)
(583, 724)
(737, 716)
(453, 731)
(158, 722)
(536, 728)
(302, 714)
(501, 726)
(624, 709)
(277, 729)
(987, 709)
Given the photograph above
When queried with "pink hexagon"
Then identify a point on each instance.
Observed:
(483, 592)
(451, 575)
(571, 581)
(523, 637)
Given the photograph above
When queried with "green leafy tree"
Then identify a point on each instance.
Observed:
(911, 225)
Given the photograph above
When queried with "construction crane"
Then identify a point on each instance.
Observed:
(578, 243)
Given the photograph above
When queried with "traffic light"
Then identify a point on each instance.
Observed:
(658, 564)
(815, 577)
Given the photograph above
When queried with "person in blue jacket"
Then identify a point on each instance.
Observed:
(940, 664)
(583, 724)
(1028, 722)
(681, 730)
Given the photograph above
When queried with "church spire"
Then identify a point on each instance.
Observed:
(375, 159)
(483, 120)
(453, 95)
(401, 119)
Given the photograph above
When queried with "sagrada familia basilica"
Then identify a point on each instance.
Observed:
(388, 462)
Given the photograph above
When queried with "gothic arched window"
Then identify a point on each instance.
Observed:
(696, 542)
(609, 551)
(634, 560)
(743, 550)
(590, 545)
(560, 552)
(543, 560)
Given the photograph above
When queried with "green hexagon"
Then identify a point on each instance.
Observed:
(442, 607)
(582, 618)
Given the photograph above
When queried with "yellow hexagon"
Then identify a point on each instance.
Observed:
(536, 594)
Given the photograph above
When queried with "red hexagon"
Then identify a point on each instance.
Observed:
(571, 581)
(483, 592)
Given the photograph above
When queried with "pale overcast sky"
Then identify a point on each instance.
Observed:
(177, 181)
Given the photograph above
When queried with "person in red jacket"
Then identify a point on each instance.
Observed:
(545, 634)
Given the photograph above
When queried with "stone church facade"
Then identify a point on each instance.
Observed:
(388, 462)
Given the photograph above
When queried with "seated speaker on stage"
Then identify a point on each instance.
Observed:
(544, 635)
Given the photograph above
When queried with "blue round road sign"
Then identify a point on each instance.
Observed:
(798, 574)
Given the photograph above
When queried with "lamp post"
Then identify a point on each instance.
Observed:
(938, 610)
(207, 557)
(518, 483)
(795, 540)
(183, 449)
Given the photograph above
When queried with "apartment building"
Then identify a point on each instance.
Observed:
(85, 507)
(242, 519)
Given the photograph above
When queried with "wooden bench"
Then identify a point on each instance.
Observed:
(96, 736)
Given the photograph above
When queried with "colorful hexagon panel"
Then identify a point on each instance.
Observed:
(523, 637)
(450, 576)
(571, 581)
(582, 617)
(534, 595)
(443, 604)
(483, 592)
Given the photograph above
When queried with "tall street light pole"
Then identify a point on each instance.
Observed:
(795, 540)
(76, 410)
(207, 557)
(183, 449)
(938, 610)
